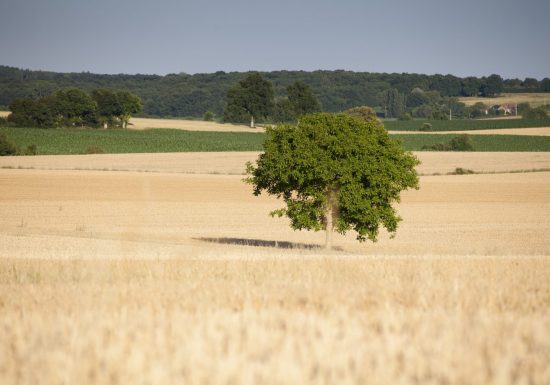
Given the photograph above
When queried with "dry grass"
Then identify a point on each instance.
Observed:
(335, 320)
(535, 99)
(4, 114)
(157, 278)
(234, 162)
(189, 125)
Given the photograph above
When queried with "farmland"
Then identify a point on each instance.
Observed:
(167, 277)
(164, 268)
(82, 141)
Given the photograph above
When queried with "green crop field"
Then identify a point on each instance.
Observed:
(484, 143)
(80, 141)
(464, 125)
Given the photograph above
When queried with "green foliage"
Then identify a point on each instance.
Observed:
(191, 95)
(6, 147)
(392, 103)
(77, 141)
(483, 143)
(465, 125)
(538, 113)
(73, 107)
(462, 171)
(458, 143)
(426, 127)
(491, 86)
(32, 149)
(208, 116)
(301, 99)
(335, 166)
(252, 97)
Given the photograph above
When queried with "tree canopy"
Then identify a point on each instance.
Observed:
(335, 171)
(74, 107)
(301, 99)
(252, 97)
(185, 95)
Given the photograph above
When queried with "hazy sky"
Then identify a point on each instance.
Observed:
(460, 37)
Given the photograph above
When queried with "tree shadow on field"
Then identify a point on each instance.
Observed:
(263, 243)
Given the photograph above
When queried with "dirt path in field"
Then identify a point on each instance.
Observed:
(86, 214)
(234, 162)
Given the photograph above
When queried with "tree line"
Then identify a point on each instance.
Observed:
(184, 95)
(74, 107)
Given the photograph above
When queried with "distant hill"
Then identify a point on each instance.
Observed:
(184, 95)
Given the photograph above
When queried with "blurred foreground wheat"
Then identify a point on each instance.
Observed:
(325, 320)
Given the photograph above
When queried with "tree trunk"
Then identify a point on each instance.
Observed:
(328, 226)
(332, 204)
(252, 122)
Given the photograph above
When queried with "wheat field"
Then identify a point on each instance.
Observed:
(175, 277)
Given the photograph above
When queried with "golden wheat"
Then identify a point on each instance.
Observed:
(157, 278)
(345, 320)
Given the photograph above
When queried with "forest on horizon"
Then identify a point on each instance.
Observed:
(184, 95)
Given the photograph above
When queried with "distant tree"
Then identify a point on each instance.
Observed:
(470, 86)
(301, 99)
(76, 107)
(392, 102)
(530, 84)
(108, 106)
(335, 172)
(282, 111)
(35, 113)
(491, 86)
(545, 85)
(416, 98)
(477, 110)
(129, 104)
(253, 97)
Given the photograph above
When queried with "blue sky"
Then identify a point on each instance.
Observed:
(463, 38)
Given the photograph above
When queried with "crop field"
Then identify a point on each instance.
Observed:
(162, 277)
(465, 124)
(83, 141)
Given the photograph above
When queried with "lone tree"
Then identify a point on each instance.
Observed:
(252, 97)
(335, 172)
(301, 99)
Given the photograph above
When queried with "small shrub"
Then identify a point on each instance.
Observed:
(6, 147)
(458, 143)
(94, 150)
(535, 113)
(208, 116)
(462, 171)
(437, 147)
(461, 143)
(3, 122)
(426, 127)
(32, 149)
(405, 117)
